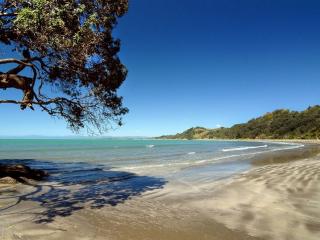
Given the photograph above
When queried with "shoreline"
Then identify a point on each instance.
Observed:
(281, 185)
(308, 150)
(313, 141)
(277, 198)
(273, 200)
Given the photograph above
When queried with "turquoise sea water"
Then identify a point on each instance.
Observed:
(164, 158)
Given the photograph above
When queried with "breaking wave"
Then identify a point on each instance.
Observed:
(242, 148)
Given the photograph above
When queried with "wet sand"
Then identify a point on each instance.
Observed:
(279, 198)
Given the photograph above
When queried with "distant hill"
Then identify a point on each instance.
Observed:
(280, 124)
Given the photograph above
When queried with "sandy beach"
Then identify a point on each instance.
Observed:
(159, 120)
(278, 198)
(279, 201)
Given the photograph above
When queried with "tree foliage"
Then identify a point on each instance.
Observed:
(280, 124)
(69, 47)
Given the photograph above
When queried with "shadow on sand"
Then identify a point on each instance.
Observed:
(72, 186)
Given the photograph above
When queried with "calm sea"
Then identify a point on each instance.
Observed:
(189, 160)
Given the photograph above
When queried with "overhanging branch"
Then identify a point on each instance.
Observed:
(25, 62)
(40, 102)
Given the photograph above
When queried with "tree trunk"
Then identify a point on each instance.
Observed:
(18, 82)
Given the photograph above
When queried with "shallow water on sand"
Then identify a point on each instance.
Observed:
(192, 160)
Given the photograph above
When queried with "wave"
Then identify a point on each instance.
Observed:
(191, 153)
(212, 160)
(292, 146)
(150, 146)
(242, 148)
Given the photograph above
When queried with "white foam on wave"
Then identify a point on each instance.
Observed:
(242, 148)
(191, 153)
(292, 146)
(150, 146)
(207, 161)
(288, 143)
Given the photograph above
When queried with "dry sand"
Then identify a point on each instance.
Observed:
(151, 216)
(277, 201)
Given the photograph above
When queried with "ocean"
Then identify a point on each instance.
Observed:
(169, 159)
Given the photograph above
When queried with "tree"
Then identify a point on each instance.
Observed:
(73, 58)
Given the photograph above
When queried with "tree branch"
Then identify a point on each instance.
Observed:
(24, 62)
(2, 14)
(40, 102)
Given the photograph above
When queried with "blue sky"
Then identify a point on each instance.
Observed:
(204, 63)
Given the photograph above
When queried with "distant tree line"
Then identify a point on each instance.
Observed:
(280, 124)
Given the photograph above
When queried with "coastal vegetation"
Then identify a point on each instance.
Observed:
(64, 59)
(70, 54)
(280, 124)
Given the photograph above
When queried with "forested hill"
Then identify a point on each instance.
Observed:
(280, 124)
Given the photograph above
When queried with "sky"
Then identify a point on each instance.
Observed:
(204, 63)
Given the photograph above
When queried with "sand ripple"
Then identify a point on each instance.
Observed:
(280, 201)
